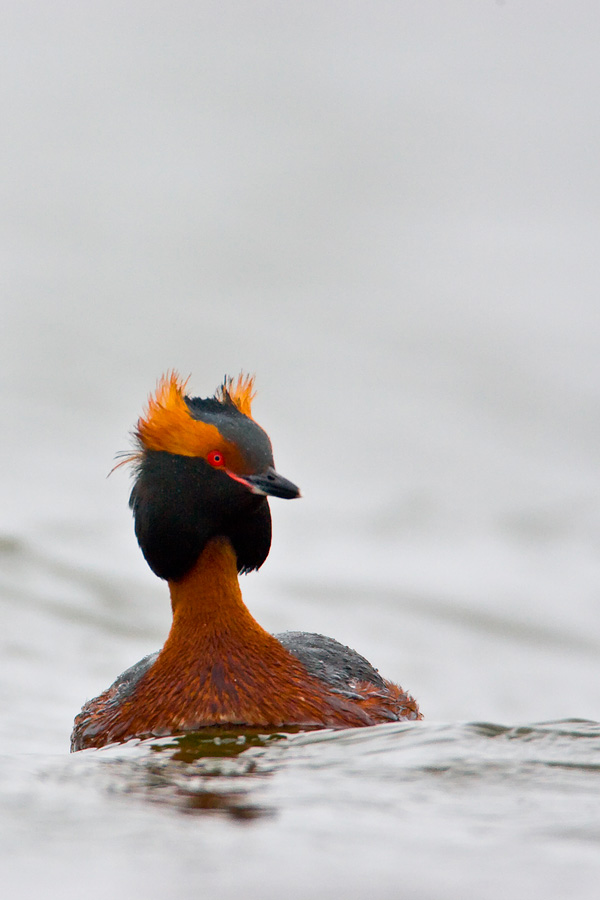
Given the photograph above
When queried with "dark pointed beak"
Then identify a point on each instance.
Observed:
(269, 483)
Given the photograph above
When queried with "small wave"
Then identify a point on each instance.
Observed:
(238, 771)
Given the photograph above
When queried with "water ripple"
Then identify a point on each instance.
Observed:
(247, 774)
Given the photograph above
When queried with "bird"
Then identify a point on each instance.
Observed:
(203, 472)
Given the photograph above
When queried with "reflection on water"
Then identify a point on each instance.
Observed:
(239, 771)
(210, 771)
(217, 743)
(210, 808)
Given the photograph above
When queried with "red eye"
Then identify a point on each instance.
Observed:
(215, 458)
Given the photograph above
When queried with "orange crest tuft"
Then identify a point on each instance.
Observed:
(167, 424)
(241, 392)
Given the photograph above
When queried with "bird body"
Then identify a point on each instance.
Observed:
(204, 470)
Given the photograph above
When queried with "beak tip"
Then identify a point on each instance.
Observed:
(268, 484)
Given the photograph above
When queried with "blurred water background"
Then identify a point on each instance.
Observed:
(389, 212)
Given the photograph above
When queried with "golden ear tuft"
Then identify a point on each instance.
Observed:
(165, 421)
(169, 393)
(240, 392)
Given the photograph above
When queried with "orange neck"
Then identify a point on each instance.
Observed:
(208, 610)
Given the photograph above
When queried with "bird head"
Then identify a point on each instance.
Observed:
(204, 468)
